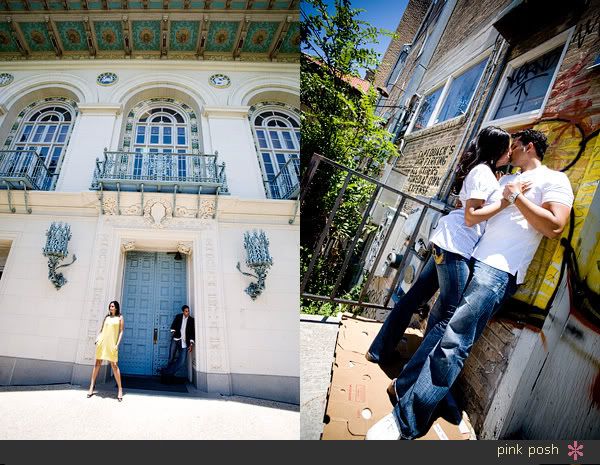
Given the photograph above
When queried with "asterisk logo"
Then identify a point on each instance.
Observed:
(576, 450)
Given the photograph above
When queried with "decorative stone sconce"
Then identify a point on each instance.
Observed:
(57, 240)
(257, 258)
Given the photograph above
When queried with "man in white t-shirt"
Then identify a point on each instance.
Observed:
(501, 259)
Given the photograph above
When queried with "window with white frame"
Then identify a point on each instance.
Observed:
(45, 130)
(278, 140)
(450, 100)
(526, 84)
(161, 129)
(399, 65)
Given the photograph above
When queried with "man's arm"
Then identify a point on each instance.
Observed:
(174, 324)
(549, 219)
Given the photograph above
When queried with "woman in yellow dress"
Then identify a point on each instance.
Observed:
(107, 346)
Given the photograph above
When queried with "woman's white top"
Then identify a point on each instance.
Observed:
(451, 232)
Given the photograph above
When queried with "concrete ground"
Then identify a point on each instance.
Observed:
(317, 345)
(64, 412)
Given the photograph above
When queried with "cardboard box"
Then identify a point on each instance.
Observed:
(357, 396)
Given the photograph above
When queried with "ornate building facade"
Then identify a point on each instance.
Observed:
(160, 133)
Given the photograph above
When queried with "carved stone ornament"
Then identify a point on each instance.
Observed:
(128, 246)
(185, 248)
(157, 213)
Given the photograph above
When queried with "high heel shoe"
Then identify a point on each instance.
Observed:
(120, 398)
(90, 394)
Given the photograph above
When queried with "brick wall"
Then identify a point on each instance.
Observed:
(411, 19)
(468, 17)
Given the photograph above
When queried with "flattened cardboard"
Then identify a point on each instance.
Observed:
(357, 396)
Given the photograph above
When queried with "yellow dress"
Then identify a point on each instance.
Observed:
(108, 340)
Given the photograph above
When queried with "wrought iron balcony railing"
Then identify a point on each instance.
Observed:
(163, 172)
(286, 184)
(24, 169)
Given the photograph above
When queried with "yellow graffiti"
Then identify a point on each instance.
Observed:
(543, 273)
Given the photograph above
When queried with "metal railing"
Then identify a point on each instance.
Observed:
(286, 184)
(24, 169)
(319, 251)
(185, 172)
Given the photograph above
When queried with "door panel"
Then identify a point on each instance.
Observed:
(137, 349)
(154, 291)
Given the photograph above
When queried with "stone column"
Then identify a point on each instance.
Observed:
(92, 132)
(231, 136)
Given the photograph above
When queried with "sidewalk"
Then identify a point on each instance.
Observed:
(64, 412)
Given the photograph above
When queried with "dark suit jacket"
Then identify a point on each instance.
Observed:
(190, 330)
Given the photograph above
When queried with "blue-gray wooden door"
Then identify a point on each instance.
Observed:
(153, 292)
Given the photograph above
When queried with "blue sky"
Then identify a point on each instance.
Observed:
(384, 14)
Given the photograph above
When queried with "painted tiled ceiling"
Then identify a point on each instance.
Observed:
(184, 29)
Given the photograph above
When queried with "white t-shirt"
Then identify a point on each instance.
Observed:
(510, 242)
(451, 232)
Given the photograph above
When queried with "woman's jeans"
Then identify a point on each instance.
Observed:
(453, 273)
(434, 367)
(383, 347)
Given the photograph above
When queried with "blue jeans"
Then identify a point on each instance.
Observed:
(390, 334)
(422, 390)
(177, 358)
(453, 273)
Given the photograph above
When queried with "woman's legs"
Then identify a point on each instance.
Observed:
(383, 347)
(453, 273)
(94, 376)
(117, 374)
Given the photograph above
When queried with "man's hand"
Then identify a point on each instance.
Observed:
(190, 348)
(514, 187)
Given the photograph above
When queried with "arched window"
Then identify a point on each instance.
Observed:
(162, 126)
(277, 134)
(43, 127)
(161, 129)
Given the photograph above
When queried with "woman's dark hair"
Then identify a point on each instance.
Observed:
(117, 308)
(489, 145)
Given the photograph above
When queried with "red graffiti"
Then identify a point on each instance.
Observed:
(570, 94)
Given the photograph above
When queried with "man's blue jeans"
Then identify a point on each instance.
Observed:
(177, 358)
(390, 334)
(428, 380)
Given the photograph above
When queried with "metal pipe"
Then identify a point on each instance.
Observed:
(382, 248)
(216, 202)
(316, 252)
(118, 198)
(174, 200)
(409, 250)
(8, 192)
(198, 205)
(355, 241)
(142, 199)
(344, 301)
(26, 197)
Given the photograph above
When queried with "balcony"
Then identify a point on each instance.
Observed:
(160, 172)
(286, 184)
(24, 170)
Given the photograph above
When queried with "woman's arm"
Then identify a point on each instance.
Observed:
(121, 326)
(476, 212)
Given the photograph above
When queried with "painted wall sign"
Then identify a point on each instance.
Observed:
(426, 170)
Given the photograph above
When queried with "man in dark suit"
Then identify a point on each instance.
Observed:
(183, 334)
